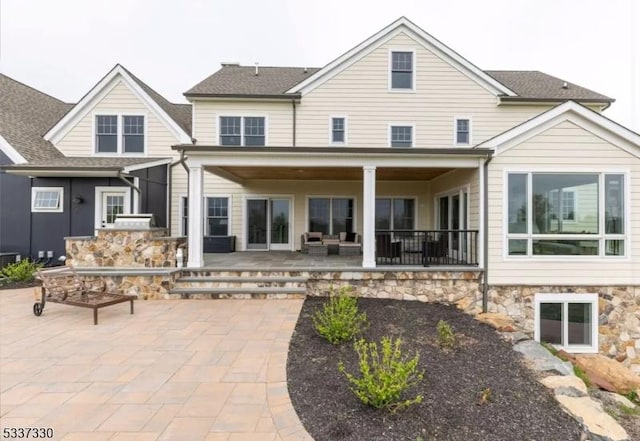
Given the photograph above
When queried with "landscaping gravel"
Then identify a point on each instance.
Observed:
(520, 408)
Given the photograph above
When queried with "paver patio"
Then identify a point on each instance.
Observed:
(211, 370)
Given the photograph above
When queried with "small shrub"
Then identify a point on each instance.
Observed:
(446, 336)
(385, 375)
(23, 271)
(339, 320)
(485, 396)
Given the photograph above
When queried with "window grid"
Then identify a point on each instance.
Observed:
(462, 131)
(337, 130)
(133, 133)
(217, 216)
(401, 136)
(242, 131)
(402, 70)
(130, 129)
(47, 200)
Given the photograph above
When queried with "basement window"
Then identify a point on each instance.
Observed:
(567, 321)
(46, 199)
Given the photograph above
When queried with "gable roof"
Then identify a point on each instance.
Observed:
(571, 111)
(534, 85)
(25, 114)
(403, 25)
(173, 116)
(234, 81)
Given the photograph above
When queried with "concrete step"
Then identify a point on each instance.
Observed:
(261, 292)
(241, 279)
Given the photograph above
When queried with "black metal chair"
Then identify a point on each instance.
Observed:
(387, 248)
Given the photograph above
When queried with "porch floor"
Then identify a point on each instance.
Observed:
(286, 260)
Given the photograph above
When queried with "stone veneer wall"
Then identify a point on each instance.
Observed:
(424, 286)
(143, 286)
(618, 308)
(125, 248)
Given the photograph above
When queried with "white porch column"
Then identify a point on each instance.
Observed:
(196, 216)
(369, 217)
(481, 208)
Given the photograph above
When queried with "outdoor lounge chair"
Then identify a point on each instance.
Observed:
(387, 248)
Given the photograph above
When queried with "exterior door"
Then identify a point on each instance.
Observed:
(269, 224)
(452, 216)
(110, 202)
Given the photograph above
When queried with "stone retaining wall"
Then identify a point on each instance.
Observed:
(144, 286)
(424, 286)
(618, 308)
(125, 248)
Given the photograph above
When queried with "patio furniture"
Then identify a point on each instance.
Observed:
(349, 245)
(309, 238)
(317, 249)
(64, 285)
(388, 248)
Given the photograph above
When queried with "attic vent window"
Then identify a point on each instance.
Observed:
(402, 70)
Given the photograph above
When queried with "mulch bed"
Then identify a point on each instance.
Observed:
(520, 408)
(7, 284)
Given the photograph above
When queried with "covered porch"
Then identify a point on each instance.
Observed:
(409, 207)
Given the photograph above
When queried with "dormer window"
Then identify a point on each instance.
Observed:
(119, 134)
(401, 70)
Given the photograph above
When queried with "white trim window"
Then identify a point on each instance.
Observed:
(401, 70)
(184, 215)
(338, 130)
(119, 134)
(463, 131)
(47, 199)
(401, 136)
(217, 216)
(395, 213)
(331, 215)
(552, 214)
(567, 321)
(242, 131)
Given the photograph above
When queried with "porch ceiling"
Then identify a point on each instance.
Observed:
(326, 173)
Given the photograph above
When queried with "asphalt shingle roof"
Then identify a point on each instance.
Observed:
(234, 80)
(180, 113)
(25, 115)
(85, 162)
(532, 84)
(239, 81)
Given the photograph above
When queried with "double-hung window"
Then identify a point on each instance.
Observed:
(401, 136)
(331, 215)
(242, 131)
(184, 215)
(338, 130)
(463, 131)
(119, 134)
(566, 214)
(47, 199)
(217, 216)
(402, 70)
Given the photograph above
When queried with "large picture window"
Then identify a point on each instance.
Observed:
(568, 321)
(565, 214)
(331, 215)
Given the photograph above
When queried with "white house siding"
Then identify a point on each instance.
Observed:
(564, 147)
(79, 140)
(361, 93)
(279, 119)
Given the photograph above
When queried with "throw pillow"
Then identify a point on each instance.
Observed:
(350, 237)
(314, 239)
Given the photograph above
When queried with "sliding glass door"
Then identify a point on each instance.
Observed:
(268, 224)
(453, 215)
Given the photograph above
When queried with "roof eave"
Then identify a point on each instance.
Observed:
(67, 172)
(237, 96)
(586, 101)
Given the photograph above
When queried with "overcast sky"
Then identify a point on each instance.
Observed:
(64, 47)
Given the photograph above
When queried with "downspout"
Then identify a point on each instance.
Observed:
(293, 105)
(129, 184)
(485, 234)
(181, 161)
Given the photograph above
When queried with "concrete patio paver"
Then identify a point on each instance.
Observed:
(175, 370)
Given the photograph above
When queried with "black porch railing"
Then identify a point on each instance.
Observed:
(427, 247)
